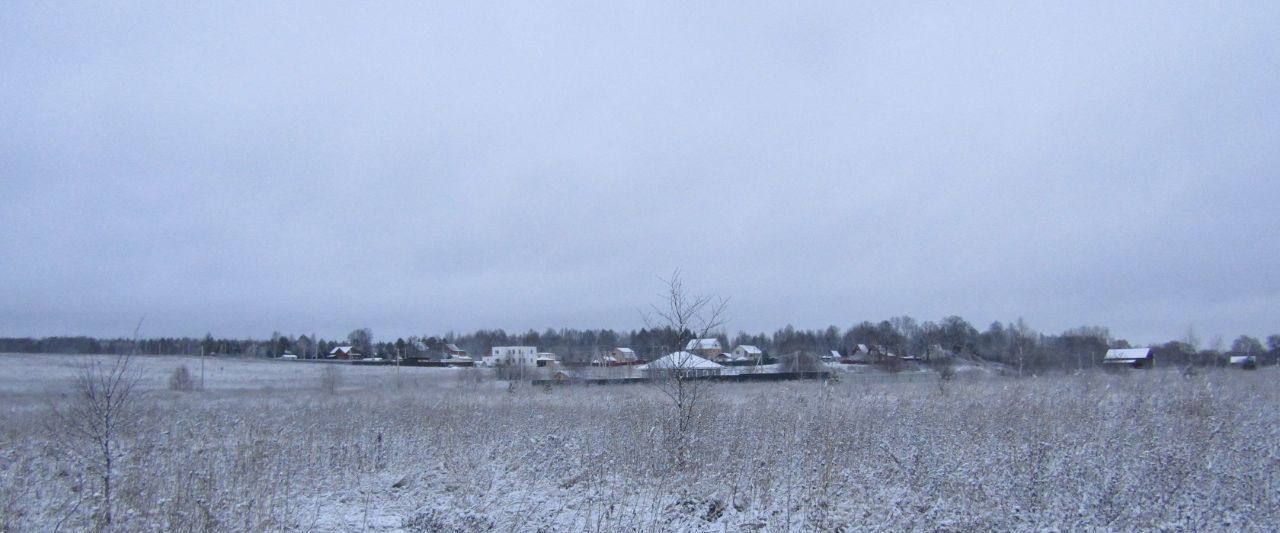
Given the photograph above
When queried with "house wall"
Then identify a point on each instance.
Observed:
(512, 356)
(696, 347)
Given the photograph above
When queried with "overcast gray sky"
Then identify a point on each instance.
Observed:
(238, 168)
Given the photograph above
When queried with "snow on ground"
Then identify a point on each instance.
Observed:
(35, 374)
(444, 452)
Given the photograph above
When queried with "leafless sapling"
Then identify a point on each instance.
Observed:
(676, 376)
(100, 410)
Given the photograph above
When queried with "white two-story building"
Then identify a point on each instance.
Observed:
(512, 356)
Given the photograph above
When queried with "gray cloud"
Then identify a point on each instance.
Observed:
(241, 168)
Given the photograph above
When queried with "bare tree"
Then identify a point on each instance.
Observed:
(1192, 340)
(100, 410)
(1024, 340)
(677, 375)
(362, 339)
(800, 361)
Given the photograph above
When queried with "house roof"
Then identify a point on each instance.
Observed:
(680, 361)
(750, 349)
(1127, 354)
(703, 344)
(342, 349)
(863, 348)
(625, 350)
(1242, 359)
(452, 347)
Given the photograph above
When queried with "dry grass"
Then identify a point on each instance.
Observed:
(1147, 450)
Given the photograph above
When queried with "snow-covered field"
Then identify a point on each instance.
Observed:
(267, 447)
(34, 374)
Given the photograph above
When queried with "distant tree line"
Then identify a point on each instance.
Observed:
(1015, 344)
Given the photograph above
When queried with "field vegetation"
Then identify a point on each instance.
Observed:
(287, 446)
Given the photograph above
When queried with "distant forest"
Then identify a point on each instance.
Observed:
(1014, 344)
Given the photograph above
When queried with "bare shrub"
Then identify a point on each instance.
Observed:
(946, 374)
(946, 371)
(441, 521)
(181, 380)
(330, 379)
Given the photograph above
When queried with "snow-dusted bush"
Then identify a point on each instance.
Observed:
(330, 379)
(444, 521)
(181, 380)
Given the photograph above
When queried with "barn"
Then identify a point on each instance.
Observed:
(1129, 357)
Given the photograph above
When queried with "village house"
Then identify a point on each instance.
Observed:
(684, 364)
(728, 358)
(860, 354)
(463, 359)
(345, 352)
(452, 351)
(706, 348)
(1130, 357)
(1247, 362)
(623, 354)
(616, 357)
(546, 359)
(511, 356)
(747, 351)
